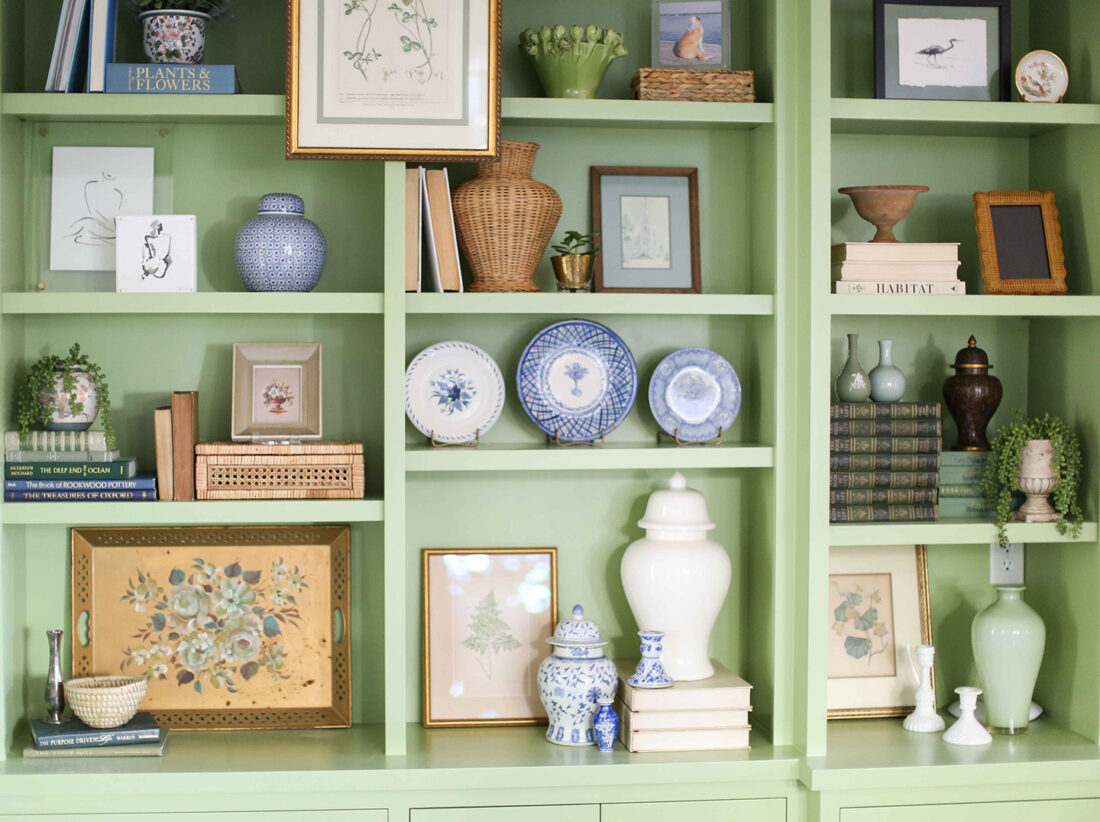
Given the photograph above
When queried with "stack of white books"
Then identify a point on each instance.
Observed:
(704, 715)
(897, 268)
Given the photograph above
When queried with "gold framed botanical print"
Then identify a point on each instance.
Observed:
(417, 80)
(276, 391)
(878, 613)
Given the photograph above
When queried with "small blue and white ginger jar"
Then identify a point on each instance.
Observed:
(606, 726)
(573, 680)
(280, 249)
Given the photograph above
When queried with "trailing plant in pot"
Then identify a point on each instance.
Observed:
(65, 393)
(573, 262)
(174, 31)
(1040, 456)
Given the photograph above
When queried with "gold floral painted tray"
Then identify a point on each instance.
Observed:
(233, 627)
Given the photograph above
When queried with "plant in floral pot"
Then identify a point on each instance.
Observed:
(573, 263)
(174, 31)
(1040, 456)
(65, 394)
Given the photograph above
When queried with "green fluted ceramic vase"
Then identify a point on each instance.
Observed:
(1008, 638)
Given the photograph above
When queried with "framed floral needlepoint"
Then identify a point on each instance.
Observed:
(232, 627)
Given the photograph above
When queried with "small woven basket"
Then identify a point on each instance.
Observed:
(105, 701)
(718, 86)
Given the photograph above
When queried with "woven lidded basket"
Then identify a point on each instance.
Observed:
(718, 86)
(308, 470)
(105, 701)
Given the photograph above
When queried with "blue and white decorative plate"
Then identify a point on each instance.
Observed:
(577, 380)
(454, 392)
(695, 394)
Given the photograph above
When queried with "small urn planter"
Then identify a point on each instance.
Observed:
(1037, 478)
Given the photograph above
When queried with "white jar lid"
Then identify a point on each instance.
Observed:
(577, 632)
(678, 508)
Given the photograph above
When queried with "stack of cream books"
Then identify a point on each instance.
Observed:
(897, 268)
(704, 715)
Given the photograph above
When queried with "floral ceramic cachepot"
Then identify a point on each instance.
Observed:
(68, 416)
(574, 678)
(174, 35)
(280, 249)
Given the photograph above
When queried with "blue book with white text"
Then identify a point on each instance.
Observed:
(169, 78)
(143, 482)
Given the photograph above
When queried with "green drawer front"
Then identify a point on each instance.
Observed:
(235, 816)
(517, 813)
(1062, 810)
(723, 810)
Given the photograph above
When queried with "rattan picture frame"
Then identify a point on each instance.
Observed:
(986, 219)
(273, 379)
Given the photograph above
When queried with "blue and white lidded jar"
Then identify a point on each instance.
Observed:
(574, 678)
(606, 726)
(280, 249)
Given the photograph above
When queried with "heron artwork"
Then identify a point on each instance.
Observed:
(933, 52)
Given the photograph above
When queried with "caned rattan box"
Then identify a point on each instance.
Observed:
(308, 470)
(701, 85)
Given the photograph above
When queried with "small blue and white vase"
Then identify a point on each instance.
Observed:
(650, 673)
(574, 678)
(606, 725)
(280, 249)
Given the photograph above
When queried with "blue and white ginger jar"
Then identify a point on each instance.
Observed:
(574, 678)
(280, 249)
(606, 726)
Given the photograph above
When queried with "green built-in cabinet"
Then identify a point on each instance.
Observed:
(769, 211)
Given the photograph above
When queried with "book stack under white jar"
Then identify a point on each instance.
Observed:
(700, 715)
(897, 268)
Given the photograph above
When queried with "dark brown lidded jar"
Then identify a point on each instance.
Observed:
(972, 396)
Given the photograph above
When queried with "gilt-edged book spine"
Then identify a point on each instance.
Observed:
(134, 495)
(886, 428)
(882, 496)
(884, 445)
(884, 462)
(883, 479)
(116, 469)
(961, 490)
(883, 513)
(885, 410)
(185, 435)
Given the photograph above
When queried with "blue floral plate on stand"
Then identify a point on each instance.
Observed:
(454, 392)
(577, 380)
(695, 395)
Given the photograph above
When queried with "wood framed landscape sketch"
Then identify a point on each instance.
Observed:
(487, 615)
(232, 627)
(417, 80)
(878, 613)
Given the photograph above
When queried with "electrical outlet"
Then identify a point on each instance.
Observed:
(1006, 565)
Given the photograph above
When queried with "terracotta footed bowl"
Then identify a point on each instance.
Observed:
(883, 206)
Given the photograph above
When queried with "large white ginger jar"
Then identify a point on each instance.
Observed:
(574, 678)
(676, 579)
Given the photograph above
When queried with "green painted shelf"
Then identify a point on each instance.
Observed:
(957, 118)
(203, 302)
(572, 304)
(949, 532)
(635, 113)
(611, 456)
(222, 512)
(975, 305)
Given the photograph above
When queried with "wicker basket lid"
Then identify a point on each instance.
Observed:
(971, 358)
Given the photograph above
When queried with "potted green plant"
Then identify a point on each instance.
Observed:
(573, 263)
(65, 394)
(174, 31)
(1040, 456)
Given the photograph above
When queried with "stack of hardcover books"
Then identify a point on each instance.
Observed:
(704, 715)
(884, 461)
(141, 736)
(897, 268)
(70, 466)
(961, 494)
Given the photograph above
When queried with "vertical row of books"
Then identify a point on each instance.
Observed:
(884, 461)
(897, 268)
(176, 431)
(70, 466)
(430, 235)
(961, 494)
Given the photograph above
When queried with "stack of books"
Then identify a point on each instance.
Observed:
(961, 494)
(141, 736)
(704, 715)
(884, 461)
(897, 268)
(70, 466)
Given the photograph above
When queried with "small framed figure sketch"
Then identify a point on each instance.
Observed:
(276, 391)
(155, 253)
(943, 50)
(648, 220)
(691, 34)
(1020, 242)
(487, 615)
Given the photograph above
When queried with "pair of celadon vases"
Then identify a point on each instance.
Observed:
(885, 383)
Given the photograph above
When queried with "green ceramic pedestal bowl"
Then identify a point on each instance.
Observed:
(571, 62)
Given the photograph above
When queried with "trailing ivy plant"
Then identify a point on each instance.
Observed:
(35, 401)
(211, 7)
(574, 243)
(1002, 472)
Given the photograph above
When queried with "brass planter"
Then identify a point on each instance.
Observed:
(573, 271)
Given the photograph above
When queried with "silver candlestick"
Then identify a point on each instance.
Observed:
(55, 692)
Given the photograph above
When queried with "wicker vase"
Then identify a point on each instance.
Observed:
(504, 220)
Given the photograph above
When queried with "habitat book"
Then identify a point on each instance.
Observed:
(136, 495)
(75, 734)
(901, 288)
(883, 479)
(170, 78)
(723, 691)
(882, 496)
(884, 462)
(885, 428)
(883, 513)
(885, 410)
(116, 469)
(884, 445)
(141, 482)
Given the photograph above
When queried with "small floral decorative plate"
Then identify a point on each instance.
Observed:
(1042, 77)
(577, 380)
(454, 392)
(694, 394)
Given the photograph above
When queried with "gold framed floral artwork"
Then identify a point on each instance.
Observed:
(487, 615)
(878, 613)
(232, 627)
(276, 391)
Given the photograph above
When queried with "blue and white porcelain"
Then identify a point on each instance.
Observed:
(577, 380)
(650, 673)
(606, 725)
(280, 249)
(694, 394)
(454, 392)
(574, 678)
